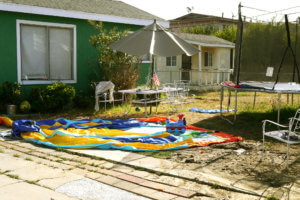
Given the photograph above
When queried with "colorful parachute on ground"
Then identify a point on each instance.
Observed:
(126, 134)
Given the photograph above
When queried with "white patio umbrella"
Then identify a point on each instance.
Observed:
(156, 40)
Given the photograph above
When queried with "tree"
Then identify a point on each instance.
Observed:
(227, 33)
(120, 68)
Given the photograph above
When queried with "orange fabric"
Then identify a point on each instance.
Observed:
(155, 119)
(6, 121)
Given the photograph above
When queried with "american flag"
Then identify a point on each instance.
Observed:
(155, 78)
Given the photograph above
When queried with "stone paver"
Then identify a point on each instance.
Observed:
(125, 185)
(5, 181)
(12, 163)
(144, 191)
(26, 191)
(90, 189)
(162, 196)
(53, 183)
(39, 172)
(108, 179)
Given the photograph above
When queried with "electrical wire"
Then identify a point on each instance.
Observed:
(255, 9)
(293, 13)
(276, 11)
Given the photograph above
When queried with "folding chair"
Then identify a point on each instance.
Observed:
(289, 135)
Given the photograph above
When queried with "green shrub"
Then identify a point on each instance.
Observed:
(83, 100)
(10, 93)
(51, 98)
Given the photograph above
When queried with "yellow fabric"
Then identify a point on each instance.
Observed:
(70, 140)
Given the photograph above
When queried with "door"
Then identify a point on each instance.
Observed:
(186, 67)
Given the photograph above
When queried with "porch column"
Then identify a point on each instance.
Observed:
(199, 66)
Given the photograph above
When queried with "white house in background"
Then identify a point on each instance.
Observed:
(211, 66)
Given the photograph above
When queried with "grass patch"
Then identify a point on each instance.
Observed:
(1, 151)
(216, 186)
(16, 155)
(29, 159)
(32, 182)
(272, 198)
(13, 176)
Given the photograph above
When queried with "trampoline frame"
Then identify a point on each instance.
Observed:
(279, 92)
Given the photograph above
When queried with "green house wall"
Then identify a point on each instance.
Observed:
(85, 52)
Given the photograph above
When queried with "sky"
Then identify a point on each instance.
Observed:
(171, 9)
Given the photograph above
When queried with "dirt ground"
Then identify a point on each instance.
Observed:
(246, 158)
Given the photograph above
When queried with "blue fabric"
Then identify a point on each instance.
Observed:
(151, 140)
(210, 111)
(33, 126)
(103, 146)
(20, 126)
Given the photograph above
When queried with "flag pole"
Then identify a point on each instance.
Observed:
(151, 83)
(152, 72)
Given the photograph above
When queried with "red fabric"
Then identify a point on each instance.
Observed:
(231, 84)
(222, 137)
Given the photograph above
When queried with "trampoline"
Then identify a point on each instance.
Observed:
(267, 87)
(256, 86)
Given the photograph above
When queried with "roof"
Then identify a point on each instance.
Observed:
(196, 19)
(205, 40)
(106, 9)
(202, 17)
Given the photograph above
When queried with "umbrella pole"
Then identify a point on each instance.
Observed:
(151, 82)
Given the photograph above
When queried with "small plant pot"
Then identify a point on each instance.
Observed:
(11, 110)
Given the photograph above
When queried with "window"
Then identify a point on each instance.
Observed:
(208, 59)
(46, 52)
(146, 58)
(171, 61)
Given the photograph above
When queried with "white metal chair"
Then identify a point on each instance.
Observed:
(184, 86)
(104, 93)
(289, 135)
(175, 97)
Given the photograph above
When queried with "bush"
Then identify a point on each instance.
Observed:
(51, 98)
(10, 93)
(83, 100)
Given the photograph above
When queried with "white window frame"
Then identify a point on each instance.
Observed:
(209, 55)
(148, 61)
(171, 61)
(33, 82)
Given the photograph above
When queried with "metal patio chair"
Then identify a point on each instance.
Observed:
(184, 92)
(175, 97)
(289, 134)
(104, 93)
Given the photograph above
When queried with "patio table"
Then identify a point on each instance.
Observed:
(145, 92)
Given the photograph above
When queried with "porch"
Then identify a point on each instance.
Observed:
(199, 79)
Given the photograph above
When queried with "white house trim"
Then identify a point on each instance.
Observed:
(210, 45)
(199, 65)
(76, 14)
(74, 67)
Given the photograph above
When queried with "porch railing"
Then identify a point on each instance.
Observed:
(196, 77)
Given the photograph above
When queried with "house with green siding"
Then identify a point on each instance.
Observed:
(45, 41)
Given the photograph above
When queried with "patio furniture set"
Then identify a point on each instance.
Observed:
(176, 94)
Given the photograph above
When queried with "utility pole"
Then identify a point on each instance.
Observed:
(238, 48)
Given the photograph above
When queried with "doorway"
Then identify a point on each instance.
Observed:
(186, 67)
